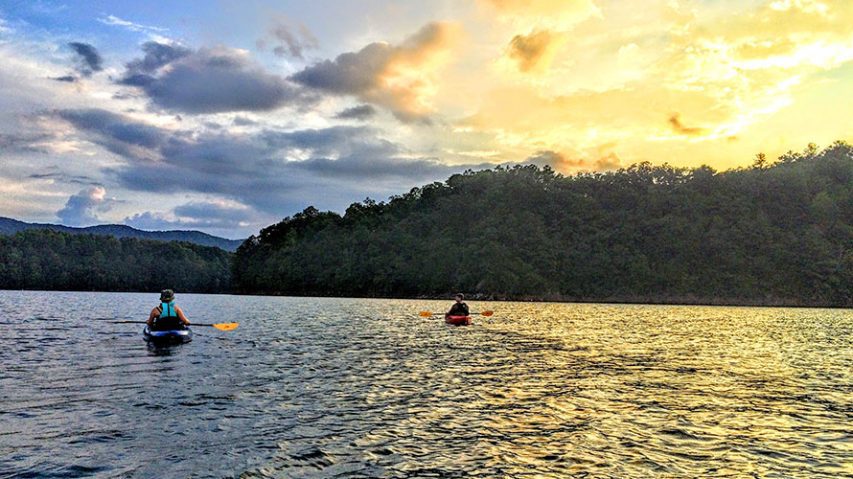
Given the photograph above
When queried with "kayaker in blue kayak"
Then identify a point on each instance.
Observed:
(167, 316)
(459, 308)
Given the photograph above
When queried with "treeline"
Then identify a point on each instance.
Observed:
(769, 234)
(50, 260)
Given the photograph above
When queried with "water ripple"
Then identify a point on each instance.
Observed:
(320, 388)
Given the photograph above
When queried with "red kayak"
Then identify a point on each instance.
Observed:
(458, 320)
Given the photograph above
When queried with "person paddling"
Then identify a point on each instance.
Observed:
(459, 308)
(167, 316)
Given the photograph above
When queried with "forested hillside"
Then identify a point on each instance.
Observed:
(50, 260)
(770, 234)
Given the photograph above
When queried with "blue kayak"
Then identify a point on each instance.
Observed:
(169, 336)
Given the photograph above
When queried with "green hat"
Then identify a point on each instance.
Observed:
(167, 295)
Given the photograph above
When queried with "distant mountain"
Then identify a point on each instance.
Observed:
(10, 226)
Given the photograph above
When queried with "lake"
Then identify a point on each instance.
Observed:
(320, 387)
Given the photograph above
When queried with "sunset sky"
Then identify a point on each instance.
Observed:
(226, 116)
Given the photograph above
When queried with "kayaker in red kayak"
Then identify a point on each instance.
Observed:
(168, 315)
(459, 308)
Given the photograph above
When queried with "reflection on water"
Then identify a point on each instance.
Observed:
(365, 388)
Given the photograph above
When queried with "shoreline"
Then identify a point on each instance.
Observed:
(620, 300)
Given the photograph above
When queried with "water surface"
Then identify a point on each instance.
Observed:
(321, 388)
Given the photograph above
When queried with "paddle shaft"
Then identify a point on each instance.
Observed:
(146, 322)
(427, 314)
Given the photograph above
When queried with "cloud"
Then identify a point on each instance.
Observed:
(367, 167)
(244, 121)
(88, 59)
(216, 214)
(116, 133)
(55, 175)
(156, 55)
(34, 142)
(82, 208)
(605, 161)
(288, 42)
(208, 80)
(65, 78)
(550, 13)
(134, 27)
(741, 73)
(805, 6)
(360, 112)
(274, 172)
(534, 51)
(678, 127)
(396, 77)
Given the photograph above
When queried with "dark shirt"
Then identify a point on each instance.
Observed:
(458, 309)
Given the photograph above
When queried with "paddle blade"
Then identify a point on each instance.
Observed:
(488, 313)
(425, 314)
(226, 326)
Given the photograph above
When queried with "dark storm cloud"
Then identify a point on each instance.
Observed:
(88, 59)
(208, 81)
(360, 112)
(274, 172)
(65, 78)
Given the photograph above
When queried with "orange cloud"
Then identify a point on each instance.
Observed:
(603, 161)
(533, 51)
(401, 78)
(675, 123)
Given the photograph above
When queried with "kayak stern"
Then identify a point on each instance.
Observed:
(171, 336)
(458, 320)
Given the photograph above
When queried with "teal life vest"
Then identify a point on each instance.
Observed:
(167, 310)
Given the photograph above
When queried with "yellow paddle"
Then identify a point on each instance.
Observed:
(220, 326)
(427, 314)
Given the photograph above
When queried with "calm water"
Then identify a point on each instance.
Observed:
(365, 388)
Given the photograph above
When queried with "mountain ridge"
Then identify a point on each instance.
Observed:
(10, 226)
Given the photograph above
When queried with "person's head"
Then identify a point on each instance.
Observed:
(459, 297)
(167, 295)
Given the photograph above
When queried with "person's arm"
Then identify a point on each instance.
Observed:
(181, 315)
(465, 309)
(154, 313)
